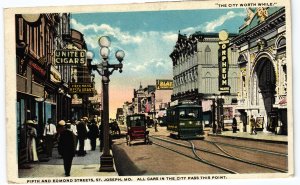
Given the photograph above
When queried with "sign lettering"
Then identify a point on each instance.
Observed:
(223, 63)
(81, 88)
(164, 84)
(70, 57)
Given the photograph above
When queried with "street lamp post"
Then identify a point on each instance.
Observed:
(106, 159)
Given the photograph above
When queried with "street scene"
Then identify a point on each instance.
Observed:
(152, 93)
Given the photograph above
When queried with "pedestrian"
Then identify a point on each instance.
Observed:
(234, 125)
(101, 130)
(74, 130)
(82, 135)
(93, 133)
(31, 141)
(155, 124)
(49, 135)
(253, 125)
(66, 147)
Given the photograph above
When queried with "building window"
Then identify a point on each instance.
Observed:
(208, 83)
(21, 29)
(233, 83)
(280, 44)
(207, 55)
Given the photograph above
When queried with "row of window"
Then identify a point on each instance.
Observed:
(188, 76)
(41, 41)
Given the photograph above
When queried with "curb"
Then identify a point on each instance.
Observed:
(246, 138)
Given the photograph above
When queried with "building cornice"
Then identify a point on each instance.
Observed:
(270, 23)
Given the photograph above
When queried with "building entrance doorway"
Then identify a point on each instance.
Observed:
(264, 84)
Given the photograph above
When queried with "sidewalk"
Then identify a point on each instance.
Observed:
(87, 166)
(260, 136)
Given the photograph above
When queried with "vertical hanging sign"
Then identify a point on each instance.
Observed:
(223, 62)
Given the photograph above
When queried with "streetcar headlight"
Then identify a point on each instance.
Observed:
(190, 122)
(181, 124)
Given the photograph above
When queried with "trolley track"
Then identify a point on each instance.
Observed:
(216, 143)
(196, 158)
(225, 155)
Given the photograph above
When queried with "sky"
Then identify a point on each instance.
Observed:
(148, 38)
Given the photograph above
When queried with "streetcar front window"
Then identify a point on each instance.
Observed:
(189, 114)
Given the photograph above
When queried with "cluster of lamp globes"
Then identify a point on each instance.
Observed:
(104, 43)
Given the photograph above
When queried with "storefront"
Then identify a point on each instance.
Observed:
(30, 90)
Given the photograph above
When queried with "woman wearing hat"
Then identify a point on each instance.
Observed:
(31, 141)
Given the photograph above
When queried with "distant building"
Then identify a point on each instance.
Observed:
(148, 101)
(120, 115)
(127, 110)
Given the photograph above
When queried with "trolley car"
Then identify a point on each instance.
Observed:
(184, 120)
(136, 128)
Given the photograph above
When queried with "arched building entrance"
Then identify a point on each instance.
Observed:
(263, 92)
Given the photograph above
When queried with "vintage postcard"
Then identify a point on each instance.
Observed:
(164, 91)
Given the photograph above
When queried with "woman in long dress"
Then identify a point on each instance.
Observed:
(31, 141)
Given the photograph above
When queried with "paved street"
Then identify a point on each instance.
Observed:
(142, 159)
(82, 166)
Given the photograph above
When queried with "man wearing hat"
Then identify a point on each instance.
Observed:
(49, 134)
(82, 136)
(31, 141)
(59, 128)
(66, 147)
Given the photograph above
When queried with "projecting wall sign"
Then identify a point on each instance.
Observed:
(164, 84)
(70, 57)
(223, 62)
(81, 88)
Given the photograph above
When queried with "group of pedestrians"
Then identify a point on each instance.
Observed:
(253, 125)
(77, 133)
(72, 137)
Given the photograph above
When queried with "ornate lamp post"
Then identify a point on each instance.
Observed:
(106, 159)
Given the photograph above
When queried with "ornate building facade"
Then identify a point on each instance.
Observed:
(263, 69)
(40, 85)
(196, 72)
(81, 105)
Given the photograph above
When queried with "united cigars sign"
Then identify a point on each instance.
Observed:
(164, 84)
(70, 57)
(223, 62)
(81, 88)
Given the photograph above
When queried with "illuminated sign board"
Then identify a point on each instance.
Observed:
(164, 84)
(223, 62)
(70, 57)
(81, 88)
